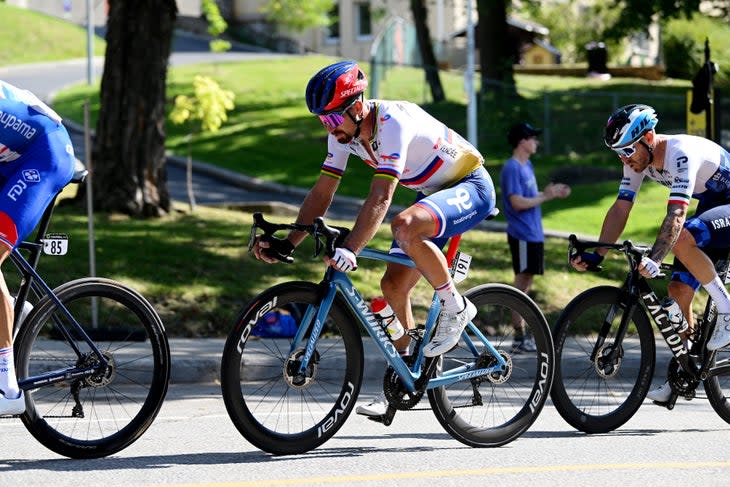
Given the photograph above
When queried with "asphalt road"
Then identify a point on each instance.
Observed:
(193, 443)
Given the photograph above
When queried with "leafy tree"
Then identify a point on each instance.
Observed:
(129, 148)
(420, 19)
(297, 15)
(207, 109)
(217, 25)
(496, 53)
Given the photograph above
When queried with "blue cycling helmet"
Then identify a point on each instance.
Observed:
(335, 87)
(628, 124)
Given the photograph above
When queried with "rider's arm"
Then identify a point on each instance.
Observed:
(372, 213)
(315, 204)
(669, 231)
(614, 222)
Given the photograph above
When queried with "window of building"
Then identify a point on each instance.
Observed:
(363, 20)
(332, 33)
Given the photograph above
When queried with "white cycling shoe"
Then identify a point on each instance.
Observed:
(12, 406)
(377, 407)
(661, 393)
(448, 330)
(721, 334)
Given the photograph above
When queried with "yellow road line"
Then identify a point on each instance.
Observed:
(467, 473)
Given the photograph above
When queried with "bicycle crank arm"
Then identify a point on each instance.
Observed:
(387, 418)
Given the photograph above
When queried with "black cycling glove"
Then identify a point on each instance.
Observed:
(593, 259)
(279, 248)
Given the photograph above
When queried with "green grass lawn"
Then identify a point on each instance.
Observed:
(196, 271)
(270, 135)
(30, 37)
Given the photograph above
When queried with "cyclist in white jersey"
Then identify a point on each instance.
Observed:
(691, 167)
(404, 145)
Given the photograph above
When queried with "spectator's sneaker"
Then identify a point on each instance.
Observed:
(721, 334)
(523, 344)
(660, 394)
(12, 406)
(377, 407)
(448, 330)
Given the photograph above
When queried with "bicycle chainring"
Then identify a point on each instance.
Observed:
(682, 383)
(397, 395)
(605, 367)
(292, 376)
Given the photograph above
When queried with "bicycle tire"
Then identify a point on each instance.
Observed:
(509, 407)
(593, 400)
(275, 411)
(118, 404)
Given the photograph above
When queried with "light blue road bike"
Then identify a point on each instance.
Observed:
(290, 395)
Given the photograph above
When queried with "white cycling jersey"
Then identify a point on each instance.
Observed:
(694, 167)
(411, 146)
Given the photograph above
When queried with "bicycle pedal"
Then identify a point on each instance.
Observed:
(385, 419)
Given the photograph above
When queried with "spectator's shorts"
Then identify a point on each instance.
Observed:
(527, 257)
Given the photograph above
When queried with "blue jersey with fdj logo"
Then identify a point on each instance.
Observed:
(36, 161)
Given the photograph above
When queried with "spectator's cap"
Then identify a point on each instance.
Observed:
(521, 131)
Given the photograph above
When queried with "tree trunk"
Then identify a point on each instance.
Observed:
(129, 148)
(420, 18)
(496, 48)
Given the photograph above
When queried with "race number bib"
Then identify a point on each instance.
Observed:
(55, 244)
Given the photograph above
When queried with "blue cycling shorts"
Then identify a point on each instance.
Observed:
(28, 183)
(458, 208)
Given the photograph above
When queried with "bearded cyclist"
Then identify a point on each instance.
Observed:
(403, 145)
(692, 167)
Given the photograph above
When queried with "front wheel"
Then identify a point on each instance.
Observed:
(491, 410)
(599, 382)
(276, 405)
(99, 414)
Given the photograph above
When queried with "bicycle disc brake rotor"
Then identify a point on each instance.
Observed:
(606, 366)
(486, 360)
(101, 377)
(293, 376)
(397, 395)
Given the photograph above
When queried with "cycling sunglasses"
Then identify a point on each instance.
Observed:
(627, 151)
(332, 120)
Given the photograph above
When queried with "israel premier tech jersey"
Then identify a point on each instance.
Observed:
(410, 146)
(36, 161)
(694, 167)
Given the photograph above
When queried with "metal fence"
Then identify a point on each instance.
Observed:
(573, 121)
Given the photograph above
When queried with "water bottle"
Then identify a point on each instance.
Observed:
(386, 315)
(674, 315)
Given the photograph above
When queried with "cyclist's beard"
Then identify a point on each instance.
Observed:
(342, 136)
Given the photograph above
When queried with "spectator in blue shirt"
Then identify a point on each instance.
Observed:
(521, 200)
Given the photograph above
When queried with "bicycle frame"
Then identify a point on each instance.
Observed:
(637, 290)
(32, 280)
(336, 282)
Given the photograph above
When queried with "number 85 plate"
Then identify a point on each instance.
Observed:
(55, 244)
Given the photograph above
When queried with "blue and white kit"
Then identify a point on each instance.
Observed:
(694, 167)
(36, 161)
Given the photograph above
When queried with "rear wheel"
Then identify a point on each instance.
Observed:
(99, 414)
(491, 410)
(599, 394)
